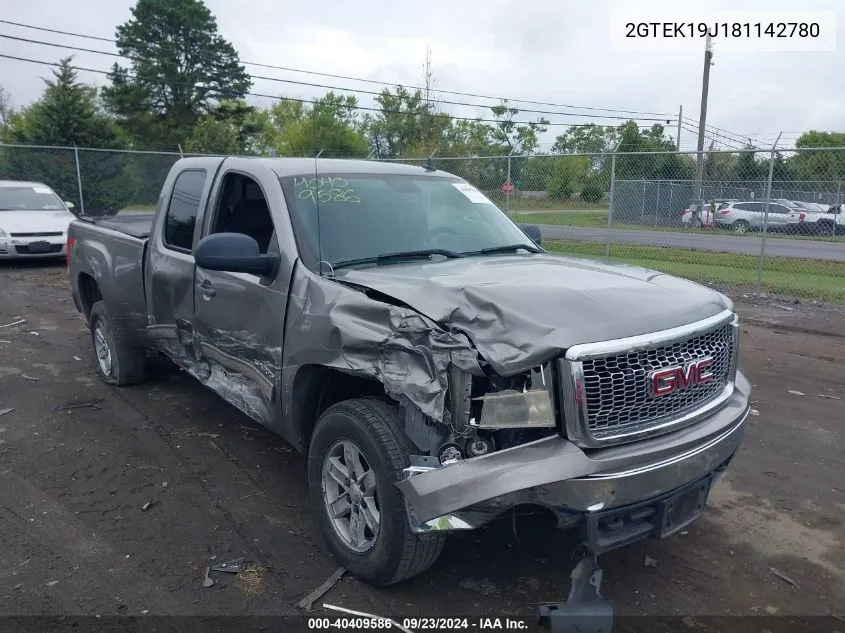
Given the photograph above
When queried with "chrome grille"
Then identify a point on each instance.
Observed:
(617, 398)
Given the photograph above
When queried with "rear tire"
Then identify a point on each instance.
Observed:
(373, 428)
(118, 363)
(824, 228)
(740, 226)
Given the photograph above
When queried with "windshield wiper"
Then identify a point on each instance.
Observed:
(508, 249)
(389, 257)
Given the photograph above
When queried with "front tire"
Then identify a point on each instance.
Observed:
(357, 453)
(118, 363)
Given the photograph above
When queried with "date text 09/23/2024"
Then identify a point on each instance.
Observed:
(420, 624)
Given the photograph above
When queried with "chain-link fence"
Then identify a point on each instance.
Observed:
(745, 222)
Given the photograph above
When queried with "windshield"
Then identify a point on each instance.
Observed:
(29, 198)
(370, 215)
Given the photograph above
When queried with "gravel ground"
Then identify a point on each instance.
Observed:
(75, 479)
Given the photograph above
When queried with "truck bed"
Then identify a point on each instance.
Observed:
(133, 223)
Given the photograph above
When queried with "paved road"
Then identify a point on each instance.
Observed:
(807, 249)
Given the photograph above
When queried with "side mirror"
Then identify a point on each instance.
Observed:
(69, 204)
(533, 231)
(234, 253)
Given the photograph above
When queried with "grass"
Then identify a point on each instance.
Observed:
(579, 217)
(598, 220)
(803, 278)
(544, 204)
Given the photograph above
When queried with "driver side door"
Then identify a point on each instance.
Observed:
(239, 318)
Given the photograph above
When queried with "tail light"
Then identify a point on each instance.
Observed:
(801, 217)
(724, 211)
(70, 242)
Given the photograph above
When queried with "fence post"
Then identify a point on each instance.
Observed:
(610, 201)
(671, 189)
(766, 216)
(508, 189)
(79, 180)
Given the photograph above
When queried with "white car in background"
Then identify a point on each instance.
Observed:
(820, 220)
(706, 213)
(33, 221)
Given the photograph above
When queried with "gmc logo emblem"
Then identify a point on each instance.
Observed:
(679, 378)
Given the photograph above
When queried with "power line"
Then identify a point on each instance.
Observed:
(327, 87)
(689, 128)
(294, 99)
(734, 136)
(663, 115)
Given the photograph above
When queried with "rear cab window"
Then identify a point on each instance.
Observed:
(182, 210)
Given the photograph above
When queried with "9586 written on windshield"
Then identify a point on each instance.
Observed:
(764, 30)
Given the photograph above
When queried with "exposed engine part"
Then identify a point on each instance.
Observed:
(460, 402)
(479, 445)
(508, 438)
(450, 453)
(426, 435)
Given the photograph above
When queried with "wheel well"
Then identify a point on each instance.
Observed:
(89, 293)
(316, 388)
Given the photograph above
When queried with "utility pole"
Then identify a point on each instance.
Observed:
(680, 117)
(429, 84)
(702, 122)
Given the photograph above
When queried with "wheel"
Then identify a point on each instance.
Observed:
(824, 228)
(740, 226)
(357, 453)
(117, 362)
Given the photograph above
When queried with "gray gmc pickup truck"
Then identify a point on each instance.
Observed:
(436, 364)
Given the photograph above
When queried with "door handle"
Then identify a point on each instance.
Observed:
(207, 289)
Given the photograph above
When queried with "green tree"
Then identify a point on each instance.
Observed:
(586, 139)
(181, 70)
(568, 174)
(6, 111)
(407, 124)
(511, 135)
(68, 114)
(330, 126)
(230, 129)
(821, 165)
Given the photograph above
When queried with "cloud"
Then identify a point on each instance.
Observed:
(544, 50)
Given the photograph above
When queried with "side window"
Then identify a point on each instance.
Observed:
(744, 206)
(242, 208)
(181, 217)
(778, 208)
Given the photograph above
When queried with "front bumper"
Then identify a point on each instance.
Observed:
(555, 474)
(23, 248)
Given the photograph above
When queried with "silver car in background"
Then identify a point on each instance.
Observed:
(33, 221)
(749, 215)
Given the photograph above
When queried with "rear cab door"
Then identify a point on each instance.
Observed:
(238, 317)
(169, 267)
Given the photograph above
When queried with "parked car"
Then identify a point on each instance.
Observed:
(706, 214)
(436, 364)
(748, 215)
(33, 220)
(825, 221)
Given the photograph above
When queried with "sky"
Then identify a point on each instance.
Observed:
(563, 52)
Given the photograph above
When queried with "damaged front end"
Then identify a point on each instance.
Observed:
(482, 443)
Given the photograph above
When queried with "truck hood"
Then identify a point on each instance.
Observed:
(521, 310)
(39, 221)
